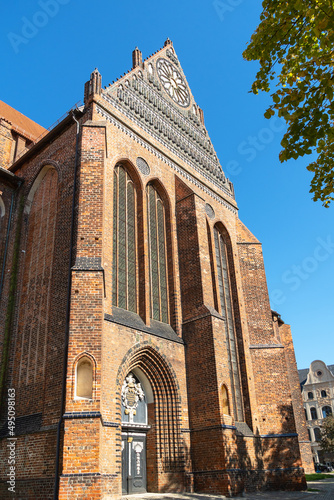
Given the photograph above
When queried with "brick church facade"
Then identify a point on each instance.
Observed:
(136, 330)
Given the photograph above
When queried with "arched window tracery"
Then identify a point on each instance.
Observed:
(224, 288)
(124, 241)
(156, 222)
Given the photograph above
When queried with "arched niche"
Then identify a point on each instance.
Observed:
(84, 378)
(225, 400)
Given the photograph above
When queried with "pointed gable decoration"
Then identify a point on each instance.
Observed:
(155, 94)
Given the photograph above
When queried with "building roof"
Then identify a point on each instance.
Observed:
(303, 375)
(304, 372)
(20, 123)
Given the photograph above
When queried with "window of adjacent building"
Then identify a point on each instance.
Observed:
(310, 395)
(324, 394)
(317, 434)
(227, 312)
(326, 411)
(156, 219)
(124, 241)
(84, 379)
(313, 412)
(309, 434)
(306, 414)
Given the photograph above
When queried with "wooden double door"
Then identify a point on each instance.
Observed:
(133, 462)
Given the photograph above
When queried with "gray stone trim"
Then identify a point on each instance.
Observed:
(266, 346)
(133, 321)
(87, 264)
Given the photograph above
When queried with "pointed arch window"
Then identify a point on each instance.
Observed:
(156, 219)
(224, 285)
(124, 241)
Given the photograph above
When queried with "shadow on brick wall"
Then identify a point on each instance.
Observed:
(265, 461)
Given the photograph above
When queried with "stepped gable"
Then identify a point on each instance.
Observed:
(156, 96)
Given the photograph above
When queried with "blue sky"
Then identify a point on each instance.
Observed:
(49, 49)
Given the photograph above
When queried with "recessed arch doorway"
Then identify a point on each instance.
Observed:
(152, 447)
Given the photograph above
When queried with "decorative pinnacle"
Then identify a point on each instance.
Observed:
(137, 58)
(168, 42)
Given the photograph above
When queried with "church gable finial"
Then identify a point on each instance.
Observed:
(168, 42)
(137, 58)
(94, 85)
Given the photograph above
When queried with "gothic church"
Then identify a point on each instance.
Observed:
(136, 329)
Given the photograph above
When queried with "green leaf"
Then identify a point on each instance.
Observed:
(296, 40)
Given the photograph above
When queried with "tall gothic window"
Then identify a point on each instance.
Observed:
(227, 313)
(124, 241)
(156, 219)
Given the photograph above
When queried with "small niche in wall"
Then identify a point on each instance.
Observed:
(84, 379)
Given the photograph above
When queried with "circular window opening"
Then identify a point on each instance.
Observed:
(319, 373)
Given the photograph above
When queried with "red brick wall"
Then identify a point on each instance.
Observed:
(193, 442)
(297, 402)
(36, 296)
(37, 329)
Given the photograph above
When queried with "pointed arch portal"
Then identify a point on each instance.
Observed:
(150, 409)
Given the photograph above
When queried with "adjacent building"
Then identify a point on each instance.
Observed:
(317, 385)
(136, 335)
